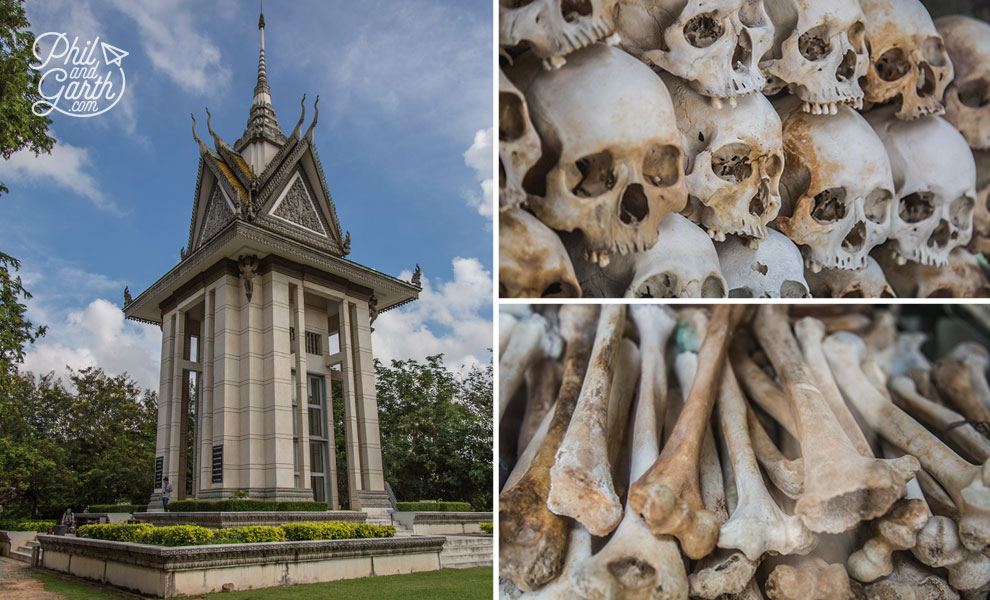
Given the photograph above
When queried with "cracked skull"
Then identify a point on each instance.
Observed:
(819, 52)
(836, 190)
(554, 28)
(611, 164)
(960, 277)
(935, 185)
(774, 270)
(518, 143)
(967, 99)
(716, 45)
(532, 259)
(732, 164)
(907, 57)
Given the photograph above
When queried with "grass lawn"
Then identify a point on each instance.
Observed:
(448, 584)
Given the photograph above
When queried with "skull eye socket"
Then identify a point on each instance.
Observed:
(975, 93)
(661, 167)
(703, 30)
(775, 165)
(941, 293)
(961, 211)
(572, 10)
(592, 175)
(731, 163)
(813, 44)
(712, 288)
(830, 206)
(511, 123)
(515, 3)
(661, 285)
(559, 289)
(793, 289)
(853, 294)
(916, 207)
(892, 65)
(741, 293)
(876, 205)
(933, 51)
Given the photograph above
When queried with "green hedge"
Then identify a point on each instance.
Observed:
(487, 527)
(438, 506)
(116, 508)
(237, 505)
(26, 525)
(193, 535)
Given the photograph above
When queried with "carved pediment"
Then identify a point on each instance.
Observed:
(219, 212)
(296, 206)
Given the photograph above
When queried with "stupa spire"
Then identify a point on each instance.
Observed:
(262, 123)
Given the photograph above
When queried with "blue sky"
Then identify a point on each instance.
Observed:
(405, 138)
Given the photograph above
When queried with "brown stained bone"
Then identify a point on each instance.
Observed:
(961, 377)
(619, 404)
(810, 578)
(941, 419)
(635, 563)
(533, 540)
(542, 385)
(532, 338)
(896, 530)
(909, 581)
(668, 495)
(757, 525)
(762, 390)
(786, 474)
(968, 485)
(581, 477)
(562, 588)
(842, 487)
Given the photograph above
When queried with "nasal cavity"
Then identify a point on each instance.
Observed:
(634, 206)
(926, 80)
(758, 205)
(847, 68)
(856, 238)
(632, 573)
(940, 237)
(743, 53)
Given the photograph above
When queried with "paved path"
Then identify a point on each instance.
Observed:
(16, 583)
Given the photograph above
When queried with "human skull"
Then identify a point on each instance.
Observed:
(532, 260)
(554, 28)
(774, 270)
(611, 164)
(980, 241)
(907, 57)
(732, 164)
(716, 45)
(967, 99)
(836, 190)
(961, 278)
(518, 143)
(868, 282)
(934, 182)
(819, 52)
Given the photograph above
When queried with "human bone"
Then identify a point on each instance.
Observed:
(811, 578)
(611, 164)
(518, 143)
(578, 549)
(909, 581)
(819, 53)
(868, 282)
(962, 277)
(774, 270)
(961, 376)
(908, 61)
(532, 338)
(939, 417)
(732, 163)
(836, 190)
(554, 28)
(981, 212)
(542, 383)
(581, 479)
(896, 530)
(532, 260)
(715, 45)
(967, 99)
(934, 183)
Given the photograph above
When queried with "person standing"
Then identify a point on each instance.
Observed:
(166, 492)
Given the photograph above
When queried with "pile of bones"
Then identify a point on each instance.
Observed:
(742, 148)
(739, 452)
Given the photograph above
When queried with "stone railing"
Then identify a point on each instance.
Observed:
(218, 520)
(442, 523)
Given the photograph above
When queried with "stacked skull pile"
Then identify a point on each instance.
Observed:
(742, 148)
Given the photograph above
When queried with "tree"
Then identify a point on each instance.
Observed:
(19, 127)
(15, 329)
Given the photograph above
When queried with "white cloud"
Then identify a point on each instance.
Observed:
(67, 167)
(453, 318)
(174, 45)
(479, 158)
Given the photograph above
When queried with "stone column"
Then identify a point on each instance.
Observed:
(277, 381)
(367, 399)
(302, 411)
(251, 452)
(163, 429)
(176, 464)
(226, 383)
(351, 440)
(206, 395)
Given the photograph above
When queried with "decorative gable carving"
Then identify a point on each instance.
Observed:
(218, 213)
(296, 206)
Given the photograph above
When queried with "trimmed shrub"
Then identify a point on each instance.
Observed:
(26, 525)
(248, 535)
(438, 506)
(181, 535)
(488, 528)
(116, 508)
(139, 533)
(335, 530)
(237, 505)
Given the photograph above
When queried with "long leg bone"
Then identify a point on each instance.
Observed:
(581, 478)
(533, 540)
(941, 418)
(842, 487)
(786, 474)
(762, 390)
(757, 525)
(634, 563)
(961, 376)
(668, 495)
(619, 405)
(968, 485)
(896, 530)
(542, 385)
(531, 338)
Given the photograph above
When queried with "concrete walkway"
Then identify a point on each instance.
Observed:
(16, 583)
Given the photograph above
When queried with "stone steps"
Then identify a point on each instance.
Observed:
(465, 552)
(25, 553)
